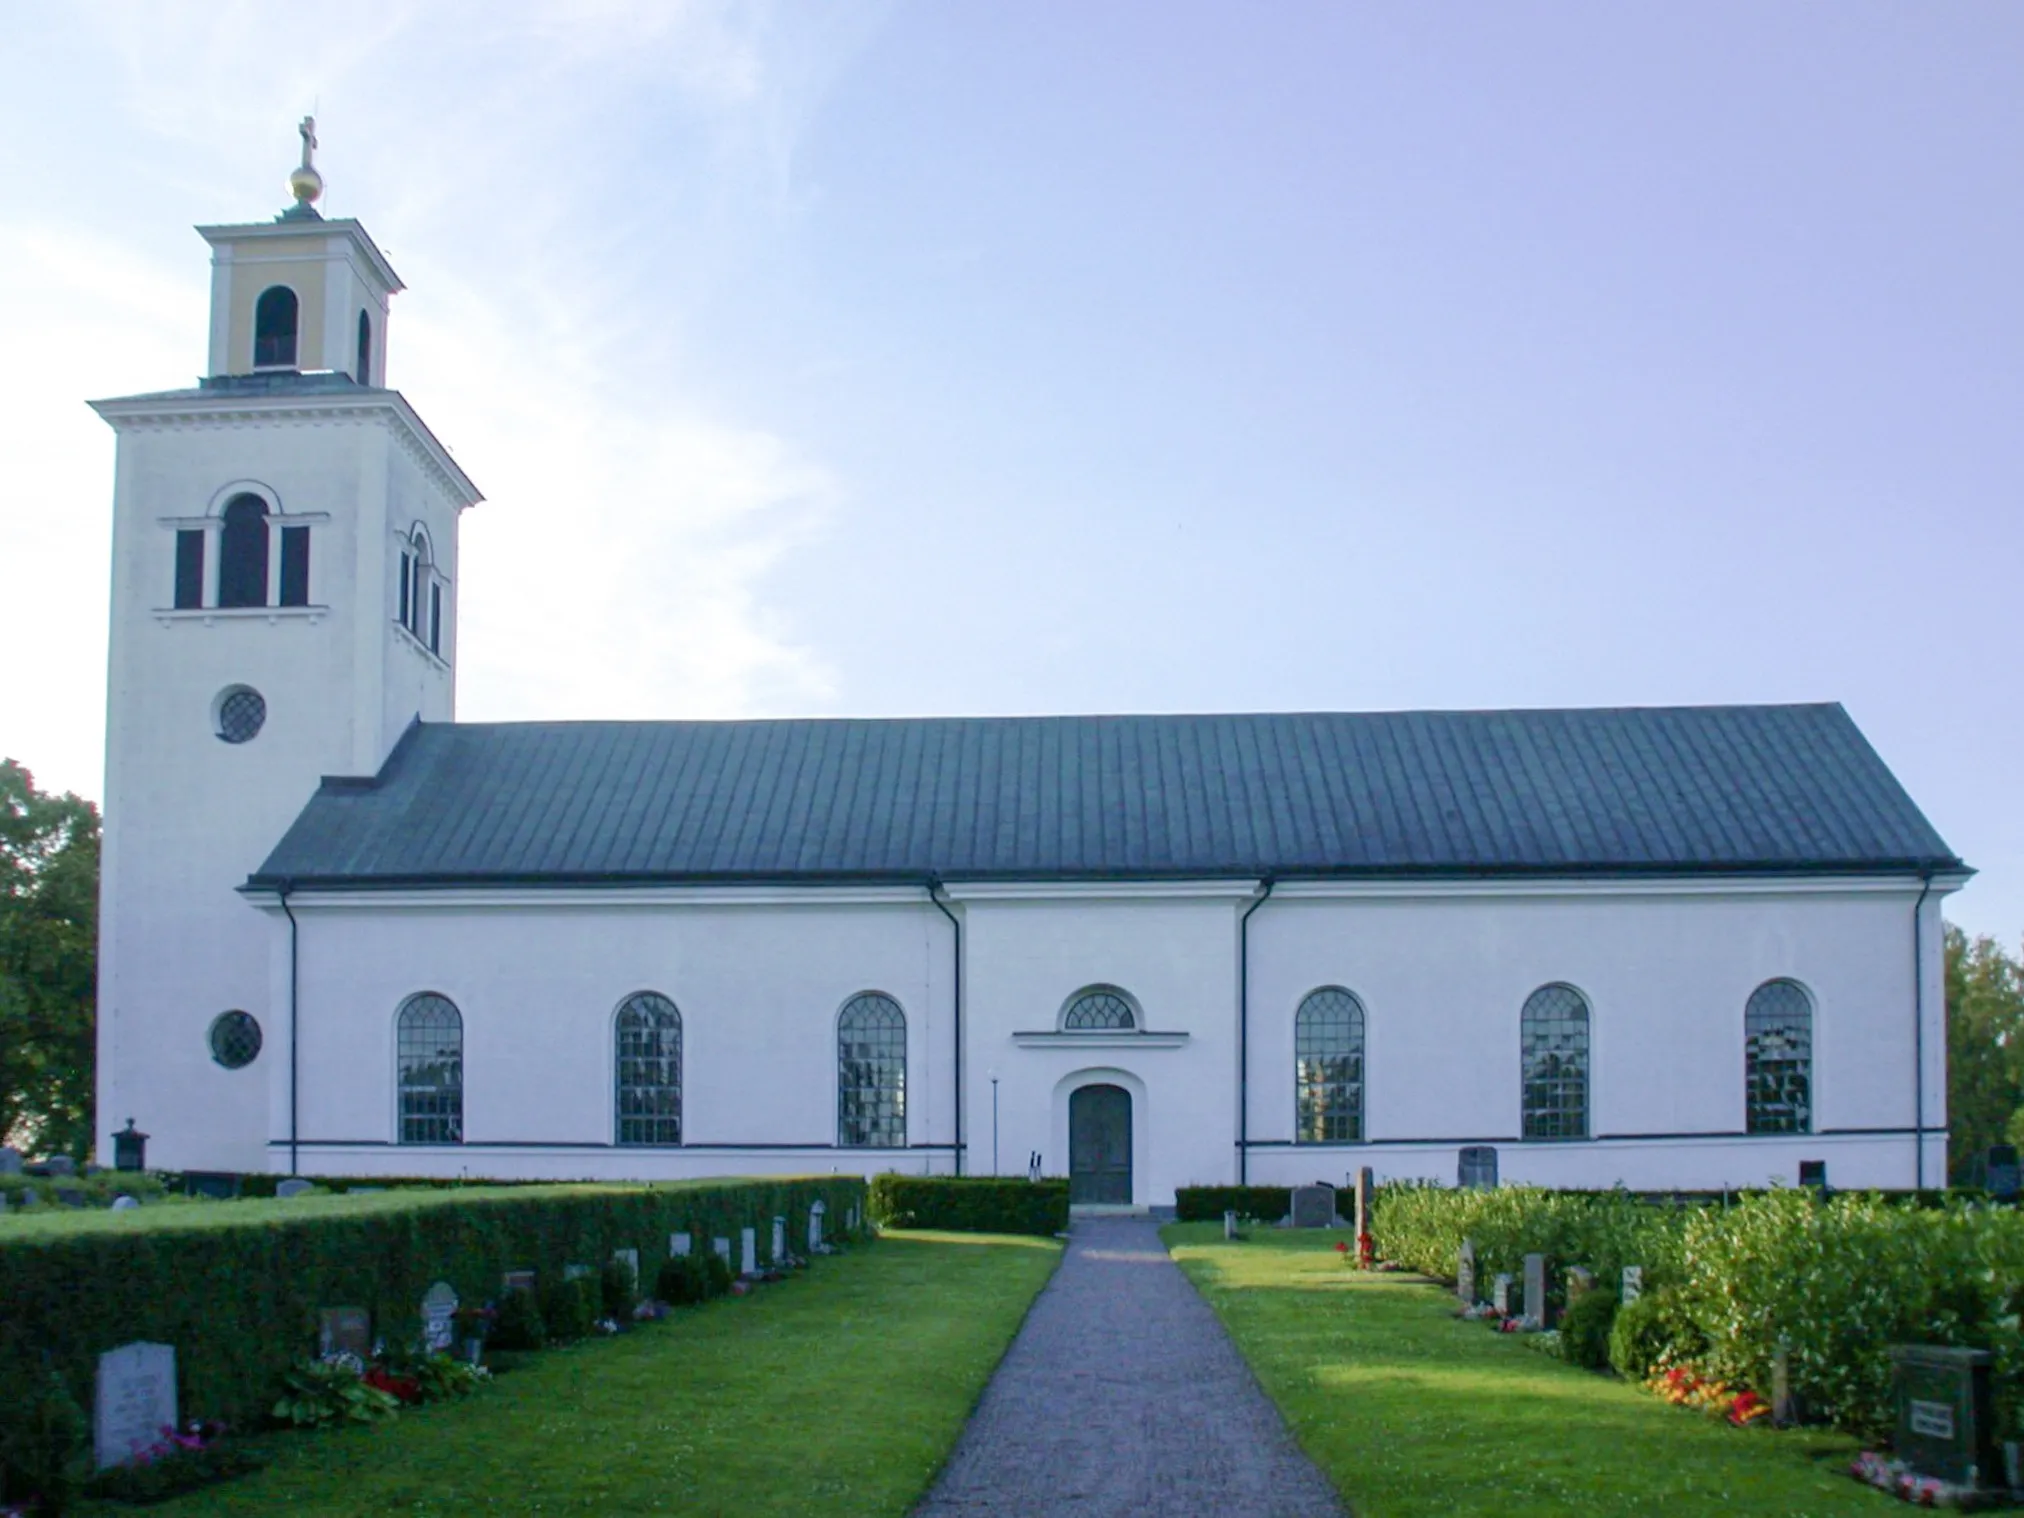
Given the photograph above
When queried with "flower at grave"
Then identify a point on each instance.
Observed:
(1748, 1408)
(1366, 1251)
(403, 1388)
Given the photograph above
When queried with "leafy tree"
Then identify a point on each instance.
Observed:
(48, 963)
(1985, 1049)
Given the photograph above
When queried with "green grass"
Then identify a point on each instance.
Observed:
(1412, 1412)
(840, 1391)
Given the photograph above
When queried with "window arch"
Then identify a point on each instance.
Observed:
(363, 372)
(1778, 1058)
(649, 1070)
(417, 573)
(871, 1073)
(242, 553)
(429, 1033)
(1553, 1038)
(274, 321)
(1328, 1068)
(1099, 1009)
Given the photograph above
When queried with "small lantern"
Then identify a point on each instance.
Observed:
(129, 1148)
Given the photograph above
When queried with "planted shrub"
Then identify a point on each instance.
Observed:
(332, 1390)
(1653, 1334)
(682, 1280)
(1585, 1327)
(47, 1451)
(716, 1274)
(519, 1325)
(569, 1308)
(618, 1289)
(1207, 1204)
(970, 1204)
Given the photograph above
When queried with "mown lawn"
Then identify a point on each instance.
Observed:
(839, 1391)
(1411, 1412)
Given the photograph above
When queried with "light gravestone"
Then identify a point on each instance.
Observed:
(345, 1331)
(119, 1204)
(1314, 1207)
(630, 1258)
(10, 1160)
(723, 1248)
(1945, 1424)
(1229, 1224)
(679, 1243)
(136, 1400)
(439, 1313)
(1535, 1289)
(779, 1240)
(815, 1227)
(293, 1186)
(1579, 1281)
(1465, 1273)
(576, 1272)
(1633, 1284)
(748, 1251)
(1500, 1293)
(1366, 1187)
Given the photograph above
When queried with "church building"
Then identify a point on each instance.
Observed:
(344, 933)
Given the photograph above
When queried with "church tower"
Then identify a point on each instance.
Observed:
(284, 594)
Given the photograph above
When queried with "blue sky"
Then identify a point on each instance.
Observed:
(1012, 358)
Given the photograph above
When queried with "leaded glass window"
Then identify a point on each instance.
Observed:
(649, 1070)
(235, 1039)
(1554, 1039)
(430, 1035)
(1328, 1068)
(1098, 1009)
(871, 1074)
(1778, 1058)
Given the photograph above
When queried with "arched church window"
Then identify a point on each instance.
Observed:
(871, 1074)
(274, 321)
(363, 373)
(1328, 1068)
(430, 1038)
(1778, 1058)
(1553, 1039)
(1098, 1009)
(242, 553)
(417, 577)
(649, 1048)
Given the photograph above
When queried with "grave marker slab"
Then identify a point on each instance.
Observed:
(1465, 1273)
(516, 1280)
(345, 1331)
(10, 1160)
(1945, 1424)
(439, 1310)
(630, 1258)
(1633, 1284)
(3, 1203)
(293, 1186)
(1500, 1293)
(748, 1251)
(576, 1272)
(779, 1240)
(69, 1196)
(124, 1203)
(1578, 1282)
(136, 1400)
(1314, 1207)
(679, 1243)
(815, 1227)
(59, 1164)
(723, 1248)
(1229, 1224)
(1535, 1289)
(1366, 1190)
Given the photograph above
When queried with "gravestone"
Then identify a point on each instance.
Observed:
(28, 1196)
(1633, 1284)
(1476, 1167)
(1784, 1406)
(1535, 1289)
(1465, 1272)
(2000, 1172)
(221, 1185)
(850, 1222)
(723, 1248)
(1944, 1413)
(3, 1203)
(439, 1311)
(124, 1203)
(1814, 1173)
(136, 1400)
(516, 1280)
(1229, 1225)
(815, 1227)
(748, 1251)
(1500, 1293)
(293, 1186)
(70, 1196)
(779, 1240)
(630, 1258)
(1366, 1188)
(10, 1160)
(678, 1243)
(1579, 1281)
(59, 1165)
(1314, 1207)
(345, 1331)
(576, 1272)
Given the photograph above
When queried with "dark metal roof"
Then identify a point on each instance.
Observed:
(1654, 790)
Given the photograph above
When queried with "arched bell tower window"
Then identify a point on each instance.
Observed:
(419, 598)
(363, 373)
(242, 553)
(275, 318)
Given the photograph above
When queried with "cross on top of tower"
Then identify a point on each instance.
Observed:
(305, 183)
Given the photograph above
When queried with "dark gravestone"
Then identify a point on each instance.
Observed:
(1314, 1207)
(1814, 1173)
(2000, 1172)
(221, 1184)
(1465, 1273)
(70, 1196)
(1500, 1293)
(517, 1280)
(1476, 1167)
(1944, 1413)
(59, 1165)
(345, 1331)
(293, 1187)
(10, 1160)
(1535, 1289)
(136, 1401)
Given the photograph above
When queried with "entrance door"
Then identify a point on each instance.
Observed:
(1099, 1145)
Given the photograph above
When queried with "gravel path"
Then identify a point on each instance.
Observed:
(1122, 1394)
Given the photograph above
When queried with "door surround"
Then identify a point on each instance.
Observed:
(1102, 1075)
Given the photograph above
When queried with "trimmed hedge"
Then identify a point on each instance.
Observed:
(970, 1203)
(1207, 1204)
(236, 1287)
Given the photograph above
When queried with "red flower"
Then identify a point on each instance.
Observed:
(1342, 1246)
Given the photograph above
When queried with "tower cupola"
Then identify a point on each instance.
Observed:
(301, 293)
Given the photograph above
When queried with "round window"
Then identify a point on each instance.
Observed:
(241, 712)
(235, 1039)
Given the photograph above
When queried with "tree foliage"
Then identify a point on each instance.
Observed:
(1985, 1050)
(48, 959)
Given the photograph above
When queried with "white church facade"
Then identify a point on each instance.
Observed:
(342, 933)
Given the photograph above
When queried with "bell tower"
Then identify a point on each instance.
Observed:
(284, 592)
